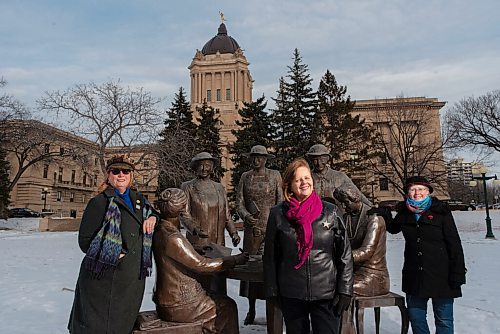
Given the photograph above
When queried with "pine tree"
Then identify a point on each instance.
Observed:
(295, 116)
(4, 184)
(208, 136)
(254, 129)
(177, 144)
(350, 140)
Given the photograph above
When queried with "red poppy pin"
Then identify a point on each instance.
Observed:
(430, 217)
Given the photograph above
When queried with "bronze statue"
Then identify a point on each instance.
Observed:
(178, 296)
(326, 180)
(258, 191)
(207, 214)
(367, 235)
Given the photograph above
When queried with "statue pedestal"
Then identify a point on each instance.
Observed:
(149, 323)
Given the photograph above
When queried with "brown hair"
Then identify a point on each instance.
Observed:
(289, 175)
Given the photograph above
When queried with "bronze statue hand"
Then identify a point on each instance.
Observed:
(241, 258)
(250, 221)
(200, 232)
(235, 238)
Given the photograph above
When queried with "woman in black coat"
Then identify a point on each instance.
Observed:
(308, 265)
(115, 233)
(434, 266)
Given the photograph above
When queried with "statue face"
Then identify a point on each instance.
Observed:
(351, 206)
(259, 161)
(204, 168)
(320, 162)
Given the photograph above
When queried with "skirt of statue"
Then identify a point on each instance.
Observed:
(217, 313)
(371, 282)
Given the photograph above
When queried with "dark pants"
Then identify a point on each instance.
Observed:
(443, 314)
(301, 315)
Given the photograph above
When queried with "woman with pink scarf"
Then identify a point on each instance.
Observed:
(308, 266)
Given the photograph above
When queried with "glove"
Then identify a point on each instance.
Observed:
(235, 238)
(229, 262)
(382, 211)
(241, 258)
(454, 284)
(200, 232)
(341, 303)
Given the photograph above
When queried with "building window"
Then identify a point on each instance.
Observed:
(95, 180)
(145, 180)
(228, 94)
(45, 171)
(83, 198)
(59, 196)
(95, 161)
(71, 197)
(209, 95)
(218, 95)
(85, 178)
(61, 150)
(383, 158)
(46, 149)
(60, 174)
(383, 184)
(73, 173)
(145, 163)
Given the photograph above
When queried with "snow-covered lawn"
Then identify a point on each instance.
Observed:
(39, 271)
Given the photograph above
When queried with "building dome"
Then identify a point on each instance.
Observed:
(221, 43)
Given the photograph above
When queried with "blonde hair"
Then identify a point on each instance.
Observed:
(289, 176)
(105, 184)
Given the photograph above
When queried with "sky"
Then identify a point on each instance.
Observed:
(378, 48)
(40, 269)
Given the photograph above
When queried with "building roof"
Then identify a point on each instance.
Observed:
(221, 43)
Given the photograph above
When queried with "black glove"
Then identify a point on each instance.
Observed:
(341, 303)
(382, 211)
(241, 258)
(235, 238)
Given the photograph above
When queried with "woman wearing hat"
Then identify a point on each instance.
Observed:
(258, 191)
(116, 236)
(434, 266)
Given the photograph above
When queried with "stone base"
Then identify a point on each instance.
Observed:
(149, 323)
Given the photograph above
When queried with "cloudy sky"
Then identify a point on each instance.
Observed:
(378, 48)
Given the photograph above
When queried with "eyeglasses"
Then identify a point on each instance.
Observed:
(418, 189)
(116, 171)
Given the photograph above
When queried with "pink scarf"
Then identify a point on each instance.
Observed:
(303, 214)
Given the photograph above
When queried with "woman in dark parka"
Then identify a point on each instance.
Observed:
(115, 233)
(434, 266)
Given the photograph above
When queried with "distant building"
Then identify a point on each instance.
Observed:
(459, 170)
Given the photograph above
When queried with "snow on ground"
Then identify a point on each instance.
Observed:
(39, 270)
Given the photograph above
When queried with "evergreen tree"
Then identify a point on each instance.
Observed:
(254, 129)
(4, 184)
(208, 136)
(350, 140)
(177, 144)
(295, 116)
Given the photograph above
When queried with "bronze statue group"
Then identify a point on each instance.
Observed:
(319, 238)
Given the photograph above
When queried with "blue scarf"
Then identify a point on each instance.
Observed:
(105, 248)
(418, 207)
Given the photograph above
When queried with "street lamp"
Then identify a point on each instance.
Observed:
(482, 170)
(45, 191)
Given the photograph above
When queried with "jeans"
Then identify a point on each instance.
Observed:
(443, 314)
(301, 315)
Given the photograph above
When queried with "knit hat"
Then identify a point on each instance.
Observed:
(420, 180)
(119, 161)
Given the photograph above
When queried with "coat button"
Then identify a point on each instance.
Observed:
(133, 252)
(418, 239)
(420, 268)
(419, 253)
(132, 234)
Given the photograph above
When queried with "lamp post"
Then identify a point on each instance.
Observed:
(484, 178)
(45, 191)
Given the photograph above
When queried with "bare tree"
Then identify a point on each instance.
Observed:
(31, 142)
(10, 108)
(110, 114)
(409, 142)
(474, 123)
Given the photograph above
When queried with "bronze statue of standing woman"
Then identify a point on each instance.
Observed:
(258, 191)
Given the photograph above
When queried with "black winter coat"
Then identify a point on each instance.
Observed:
(434, 265)
(328, 269)
(110, 304)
